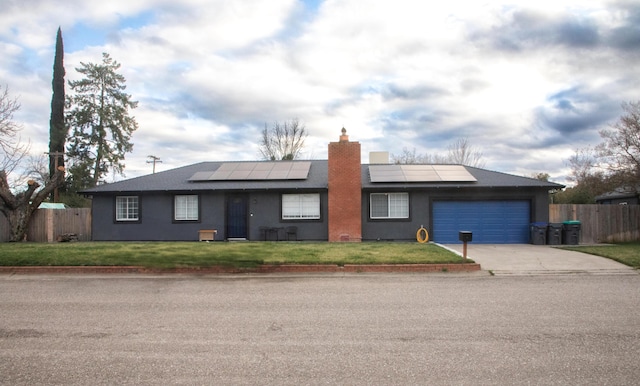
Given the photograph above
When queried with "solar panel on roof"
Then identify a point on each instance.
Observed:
(279, 175)
(256, 171)
(227, 166)
(419, 173)
(246, 166)
(258, 175)
(295, 174)
(223, 175)
(281, 166)
(455, 176)
(200, 176)
(263, 166)
(238, 175)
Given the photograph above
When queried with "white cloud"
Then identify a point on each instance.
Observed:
(210, 74)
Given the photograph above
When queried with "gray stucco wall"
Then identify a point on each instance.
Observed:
(421, 203)
(156, 218)
(403, 229)
(264, 210)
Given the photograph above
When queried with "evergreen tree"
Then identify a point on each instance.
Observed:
(99, 116)
(57, 128)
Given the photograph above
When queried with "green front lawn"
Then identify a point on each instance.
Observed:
(235, 254)
(625, 253)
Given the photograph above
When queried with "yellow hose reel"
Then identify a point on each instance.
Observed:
(422, 235)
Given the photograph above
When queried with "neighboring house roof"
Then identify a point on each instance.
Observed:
(618, 194)
(182, 180)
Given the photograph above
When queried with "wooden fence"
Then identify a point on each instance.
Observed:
(601, 223)
(47, 224)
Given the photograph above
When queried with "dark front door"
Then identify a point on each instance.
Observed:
(237, 217)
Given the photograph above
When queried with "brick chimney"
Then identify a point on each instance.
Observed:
(345, 190)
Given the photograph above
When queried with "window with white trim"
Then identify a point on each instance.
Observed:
(127, 208)
(301, 206)
(389, 205)
(185, 207)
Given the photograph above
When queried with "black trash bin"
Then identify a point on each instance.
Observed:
(554, 234)
(571, 232)
(539, 233)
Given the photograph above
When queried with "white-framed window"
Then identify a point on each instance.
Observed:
(389, 205)
(127, 208)
(185, 207)
(301, 206)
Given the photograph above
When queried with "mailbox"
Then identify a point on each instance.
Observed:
(465, 236)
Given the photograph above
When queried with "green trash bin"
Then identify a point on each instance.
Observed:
(571, 232)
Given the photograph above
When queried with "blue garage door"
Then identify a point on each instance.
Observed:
(492, 222)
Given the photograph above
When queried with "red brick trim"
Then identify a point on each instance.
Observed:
(285, 268)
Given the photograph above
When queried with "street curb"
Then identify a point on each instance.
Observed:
(284, 268)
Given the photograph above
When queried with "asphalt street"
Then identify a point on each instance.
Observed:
(438, 329)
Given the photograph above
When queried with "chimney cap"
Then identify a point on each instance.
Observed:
(344, 137)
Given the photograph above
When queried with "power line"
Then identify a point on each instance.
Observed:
(153, 160)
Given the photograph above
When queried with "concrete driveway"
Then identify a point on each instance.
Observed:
(528, 259)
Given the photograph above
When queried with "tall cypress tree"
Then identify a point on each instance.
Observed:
(57, 128)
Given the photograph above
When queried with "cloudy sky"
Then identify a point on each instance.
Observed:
(526, 82)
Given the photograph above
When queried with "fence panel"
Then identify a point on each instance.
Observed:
(47, 224)
(38, 225)
(5, 233)
(73, 220)
(601, 223)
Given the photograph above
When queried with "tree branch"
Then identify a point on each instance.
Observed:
(56, 181)
(8, 199)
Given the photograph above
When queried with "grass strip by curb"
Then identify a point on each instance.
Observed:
(170, 255)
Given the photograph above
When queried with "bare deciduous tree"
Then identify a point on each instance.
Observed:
(408, 157)
(589, 178)
(461, 152)
(620, 150)
(283, 141)
(18, 207)
(582, 163)
(12, 150)
(9, 130)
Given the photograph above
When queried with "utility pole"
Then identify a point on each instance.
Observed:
(57, 155)
(153, 160)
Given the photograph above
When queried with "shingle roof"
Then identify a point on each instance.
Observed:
(619, 193)
(178, 180)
